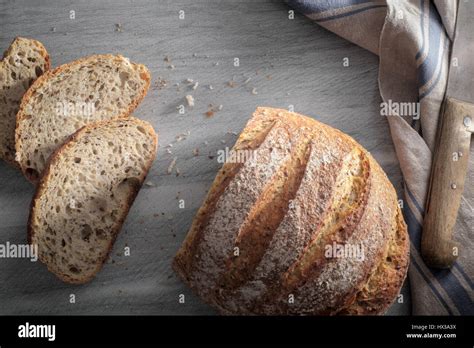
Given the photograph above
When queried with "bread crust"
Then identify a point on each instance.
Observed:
(390, 273)
(43, 184)
(47, 66)
(43, 79)
(369, 221)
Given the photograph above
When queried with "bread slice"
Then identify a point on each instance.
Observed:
(72, 95)
(23, 62)
(85, 194)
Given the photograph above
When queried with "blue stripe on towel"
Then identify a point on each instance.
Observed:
(457, 293)
(438, 77)
(422, 29)
(435, 291)
(422, 212)
(414, 227)
(464, 274)
(308, 7)
(436, 29)
(410, 219)
(415, 202)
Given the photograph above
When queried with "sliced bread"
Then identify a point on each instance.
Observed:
(69, 97)
(23, 62)
(85, 194)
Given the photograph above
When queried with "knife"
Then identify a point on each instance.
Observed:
(451, 153)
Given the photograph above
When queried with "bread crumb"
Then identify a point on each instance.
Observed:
(171, 67)
(189, 81)
(167, 59)
(171, 165)
(254, 91)
(212, 109)
(190, 100)
(231, 83)
(196, 152)
(247, 80)
(159, 84)
(211, 87)
(168, 151)
(150, 184)
(195, 86)
(182, 136)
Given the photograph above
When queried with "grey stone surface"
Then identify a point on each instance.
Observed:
(289, 62)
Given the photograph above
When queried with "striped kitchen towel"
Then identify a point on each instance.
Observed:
(413, 39)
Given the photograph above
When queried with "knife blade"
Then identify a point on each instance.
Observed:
(451, 153)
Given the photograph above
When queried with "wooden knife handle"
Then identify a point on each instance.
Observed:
(448, 174)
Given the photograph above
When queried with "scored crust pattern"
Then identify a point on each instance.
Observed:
(257, 245)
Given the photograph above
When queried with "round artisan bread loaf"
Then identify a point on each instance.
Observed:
(300, 220)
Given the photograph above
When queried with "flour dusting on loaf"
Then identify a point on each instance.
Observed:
(259, 244)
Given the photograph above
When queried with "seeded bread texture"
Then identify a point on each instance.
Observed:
(85, 194)
(69, 97)
(23, 62)
(258, 243)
